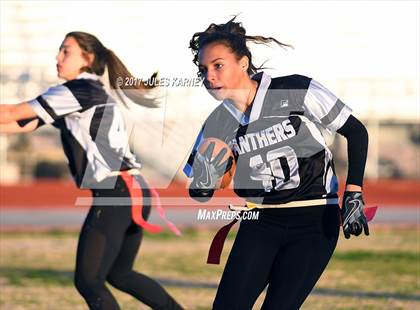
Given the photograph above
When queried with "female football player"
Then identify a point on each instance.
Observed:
(284, 170)
(95, 142)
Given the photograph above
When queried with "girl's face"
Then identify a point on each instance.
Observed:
(223, 73)
(70, 59)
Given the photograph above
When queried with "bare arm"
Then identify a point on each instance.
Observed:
(13, 112)
(14, 127)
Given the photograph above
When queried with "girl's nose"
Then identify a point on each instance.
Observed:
(58, 56)
(210, 76)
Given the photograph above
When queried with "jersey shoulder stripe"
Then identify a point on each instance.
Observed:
(87, 92)
(294, 81)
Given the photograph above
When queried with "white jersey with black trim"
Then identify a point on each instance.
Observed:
(280, 152)
(93, 131)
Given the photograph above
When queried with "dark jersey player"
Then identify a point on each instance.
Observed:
(283, 168)
(95, 142)
(280, 152)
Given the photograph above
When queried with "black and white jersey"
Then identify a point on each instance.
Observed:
(92, 128)
(280, 152)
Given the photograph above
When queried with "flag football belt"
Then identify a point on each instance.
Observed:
(292, 204)
(216, 246)
(136, 193)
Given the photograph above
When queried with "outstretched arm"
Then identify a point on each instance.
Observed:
(15, 127)
(15, 118)
(14, 112)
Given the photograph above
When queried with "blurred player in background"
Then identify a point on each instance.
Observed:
(284, 169)
(95, 141)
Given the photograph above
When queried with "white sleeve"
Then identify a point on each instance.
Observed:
(325, 107)
(55, 103)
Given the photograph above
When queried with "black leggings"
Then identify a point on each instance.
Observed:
(286, 249)
(108, 245)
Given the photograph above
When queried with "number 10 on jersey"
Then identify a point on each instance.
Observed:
(279, 171)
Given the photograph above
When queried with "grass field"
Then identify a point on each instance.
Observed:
(381, 271)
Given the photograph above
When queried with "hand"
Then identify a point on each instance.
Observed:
(208, 171)
(352, 216)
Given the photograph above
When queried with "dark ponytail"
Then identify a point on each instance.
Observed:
(233, 35)
(118, 73)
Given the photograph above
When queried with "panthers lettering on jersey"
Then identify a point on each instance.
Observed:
(281, 155)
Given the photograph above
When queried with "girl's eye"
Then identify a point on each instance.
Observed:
(218, 66)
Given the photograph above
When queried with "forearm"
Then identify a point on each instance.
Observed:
(5, 114)
(353, 188)
(14, 127)
(13, 112)
(357, 147)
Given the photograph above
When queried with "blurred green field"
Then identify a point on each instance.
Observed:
(381, 271)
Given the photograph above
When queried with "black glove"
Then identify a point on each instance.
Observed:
(352, 216)
(207, 172)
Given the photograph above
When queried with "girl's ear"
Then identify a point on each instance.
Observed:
(90, 57)
(244, 63)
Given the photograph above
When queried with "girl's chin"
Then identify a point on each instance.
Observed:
(218, 95)
(61, 76)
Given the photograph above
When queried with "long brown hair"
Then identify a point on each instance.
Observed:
(117, 71)
(233, 35)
